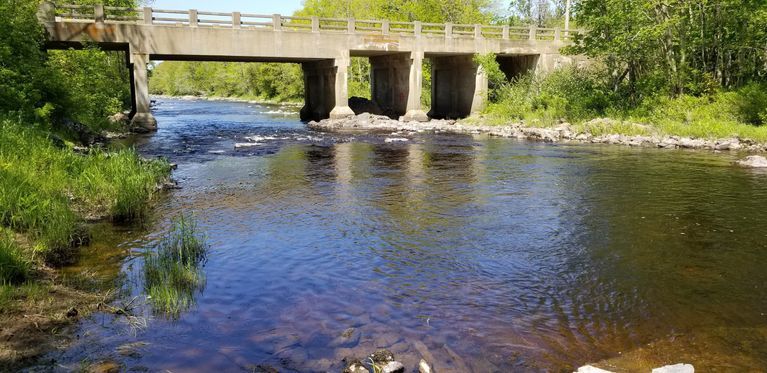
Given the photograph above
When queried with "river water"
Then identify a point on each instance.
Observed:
(480, 254)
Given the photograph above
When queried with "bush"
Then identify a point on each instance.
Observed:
(569, 94)
(752, 104)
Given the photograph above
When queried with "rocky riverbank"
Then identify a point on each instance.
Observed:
(564, 132)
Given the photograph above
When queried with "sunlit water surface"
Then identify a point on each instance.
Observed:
(479, 254)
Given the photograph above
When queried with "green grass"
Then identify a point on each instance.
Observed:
(47, 190)
(14, 267)
(173, 273)
(579, 95)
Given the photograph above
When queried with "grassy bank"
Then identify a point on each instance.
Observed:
(579, 95)
(47, 192)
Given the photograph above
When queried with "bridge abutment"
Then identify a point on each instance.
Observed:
(142, 117)
(458, 87)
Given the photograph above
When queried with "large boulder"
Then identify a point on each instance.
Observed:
(361, 105)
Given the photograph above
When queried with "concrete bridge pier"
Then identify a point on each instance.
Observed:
(319, 89)
(142, 118)
(326, 92)
(341, 108)
(459, 87)
(395, 84)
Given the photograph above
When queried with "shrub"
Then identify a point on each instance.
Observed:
(752, 103)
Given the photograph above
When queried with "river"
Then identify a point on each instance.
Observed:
(480, 254)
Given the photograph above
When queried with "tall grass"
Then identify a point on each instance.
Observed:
(173, 273)
(46, 190)
(14, 267)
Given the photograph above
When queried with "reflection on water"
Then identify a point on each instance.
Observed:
(478, 254)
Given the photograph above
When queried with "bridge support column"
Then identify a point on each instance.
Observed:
(415, 82)
(341, 108)
(458, 88)
(396, 85)
(143, 117)
(319, 92)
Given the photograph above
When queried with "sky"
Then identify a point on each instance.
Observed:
(284, 7)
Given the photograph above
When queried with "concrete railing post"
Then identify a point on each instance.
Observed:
(533, 31)
(236, 20)
(315, 24)
(417, 26)
(46, 12)
(193, 17)
(448, 30)
(505, 33)
(148, 18)
(478, 31)
(351, 26)
(277, 22)
(556, 34)
(385, 27)
(98, 13)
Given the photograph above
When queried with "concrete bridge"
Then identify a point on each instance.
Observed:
(323, 47)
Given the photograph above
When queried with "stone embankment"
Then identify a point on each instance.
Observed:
(560, 133)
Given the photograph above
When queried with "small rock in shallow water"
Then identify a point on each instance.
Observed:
(104, 367)
(676, 368)
(382, 356)
(356, 366)
(396, 139)
(393, 367)
(755, 161)
(423, 367)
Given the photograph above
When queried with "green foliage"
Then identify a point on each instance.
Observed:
(45, 190)
(97, 83)
(752, 104)
(438, 11)
(566, 94)
(14, 267)
(680, 47)
(262, 81)
(173, 273)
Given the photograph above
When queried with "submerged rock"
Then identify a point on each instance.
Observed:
(754, 161)
(349, 338)
(676, 368)
(355, 366)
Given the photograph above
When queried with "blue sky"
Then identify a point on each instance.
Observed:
(285, 7)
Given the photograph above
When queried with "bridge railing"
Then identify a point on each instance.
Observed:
(276, 22)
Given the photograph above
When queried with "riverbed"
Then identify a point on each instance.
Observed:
(479, 254)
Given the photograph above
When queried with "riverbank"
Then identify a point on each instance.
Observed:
(594, 131)
(49, 190)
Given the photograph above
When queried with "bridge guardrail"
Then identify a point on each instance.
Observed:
(277, 22)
